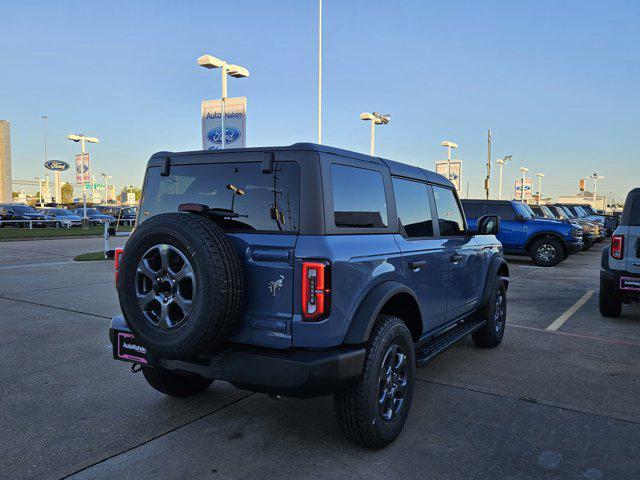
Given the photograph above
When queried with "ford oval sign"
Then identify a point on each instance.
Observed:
(215, 135)
(56, 165)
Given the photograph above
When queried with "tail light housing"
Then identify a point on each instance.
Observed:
(316, 293)
(617, 247)
(117, 254)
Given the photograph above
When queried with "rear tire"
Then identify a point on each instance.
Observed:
(173, 384)
(373, 411)
(610, 302)
(494, 313)
(547, 252)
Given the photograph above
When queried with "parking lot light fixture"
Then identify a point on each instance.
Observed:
(376, 119)
(595, 178)
(524, 171)
(236, 71)
(449, 145)
(82, 139)
(502, 162)
(106, 186)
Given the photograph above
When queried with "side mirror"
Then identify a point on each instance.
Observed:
(520, 218)
(611, 223)
(488, 225)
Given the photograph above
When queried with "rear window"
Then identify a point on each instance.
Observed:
(263, 201)
(358, 198)
(634, 216)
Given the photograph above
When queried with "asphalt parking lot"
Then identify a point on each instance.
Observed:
(558, 399)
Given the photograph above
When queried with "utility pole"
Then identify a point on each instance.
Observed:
(487, 181)
(320, 72)
(540, 175)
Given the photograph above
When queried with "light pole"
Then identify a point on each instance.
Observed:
(595, 178)
(376, 119)
(207, 61)
(524, 171)
(106, 186)
(449, 145)
(78, 137)
(39, 180)
(320, 72)
(501, 162)
(539, 175)
(487, 180)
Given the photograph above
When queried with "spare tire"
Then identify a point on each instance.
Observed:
(180, 284)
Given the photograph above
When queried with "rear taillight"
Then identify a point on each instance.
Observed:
(117, 253)
(316, 298)
(617, 247)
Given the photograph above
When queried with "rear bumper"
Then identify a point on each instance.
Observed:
(301, 373)
(621, 281)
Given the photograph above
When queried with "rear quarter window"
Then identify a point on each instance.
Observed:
(359, 199)
(264, 202)
(634, 215)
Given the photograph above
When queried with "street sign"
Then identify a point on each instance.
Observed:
(95, 185)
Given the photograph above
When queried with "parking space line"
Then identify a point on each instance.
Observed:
(616, 341)
(39, 264)
(558, 322)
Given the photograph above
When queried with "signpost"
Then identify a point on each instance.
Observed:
(234, 123)
(57, 166)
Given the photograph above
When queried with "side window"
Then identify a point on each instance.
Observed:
(413, 208)
(504, 211)
(472, 210)
(358, 198)
(449, 214)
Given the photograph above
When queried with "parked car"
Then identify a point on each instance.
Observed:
(581, 215)
(95, 216)
(620, 266)
(124, 215)
(10, 213)
(304, 271)
(588, 229)
(547, 243)
(63, 218)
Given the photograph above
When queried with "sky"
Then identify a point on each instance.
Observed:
(557, 82)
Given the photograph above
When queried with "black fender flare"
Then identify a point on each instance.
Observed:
(544, 234)
(497, 263)
(370, 307)
(604, 259)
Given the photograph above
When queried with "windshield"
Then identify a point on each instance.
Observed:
(61, 212)
(529, 209)
(128, 211)
(23, 209)
(91, 211)
(589, 209)
(521, 210)
(547, 211)
(567, 212)
(581, 212)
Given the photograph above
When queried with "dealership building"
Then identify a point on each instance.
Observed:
(5, 162)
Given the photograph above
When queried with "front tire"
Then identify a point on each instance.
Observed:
(610, 302)
(547, 252)
(494, 313)
(373, 411)
(173, 384)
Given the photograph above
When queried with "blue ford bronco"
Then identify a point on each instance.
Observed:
(548, 243)
(304, 271)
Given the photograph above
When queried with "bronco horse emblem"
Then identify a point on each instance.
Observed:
(274, 286)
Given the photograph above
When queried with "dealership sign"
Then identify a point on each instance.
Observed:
(455, 171)
(235, 110)
(56, 165)
(82, 168)
(528, 188)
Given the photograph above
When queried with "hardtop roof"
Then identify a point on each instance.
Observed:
(396, 168)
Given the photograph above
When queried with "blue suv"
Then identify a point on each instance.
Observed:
(304, 271)
(548, 243)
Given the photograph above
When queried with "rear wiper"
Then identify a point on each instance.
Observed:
(202, 209)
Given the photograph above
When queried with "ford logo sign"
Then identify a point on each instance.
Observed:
(215, 135)
(56, 165)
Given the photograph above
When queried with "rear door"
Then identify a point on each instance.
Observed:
(263, 228)
(463, 253)
(425, 260)
(632, 242)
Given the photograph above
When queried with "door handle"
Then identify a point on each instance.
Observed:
(456, 257)
(417, 265)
